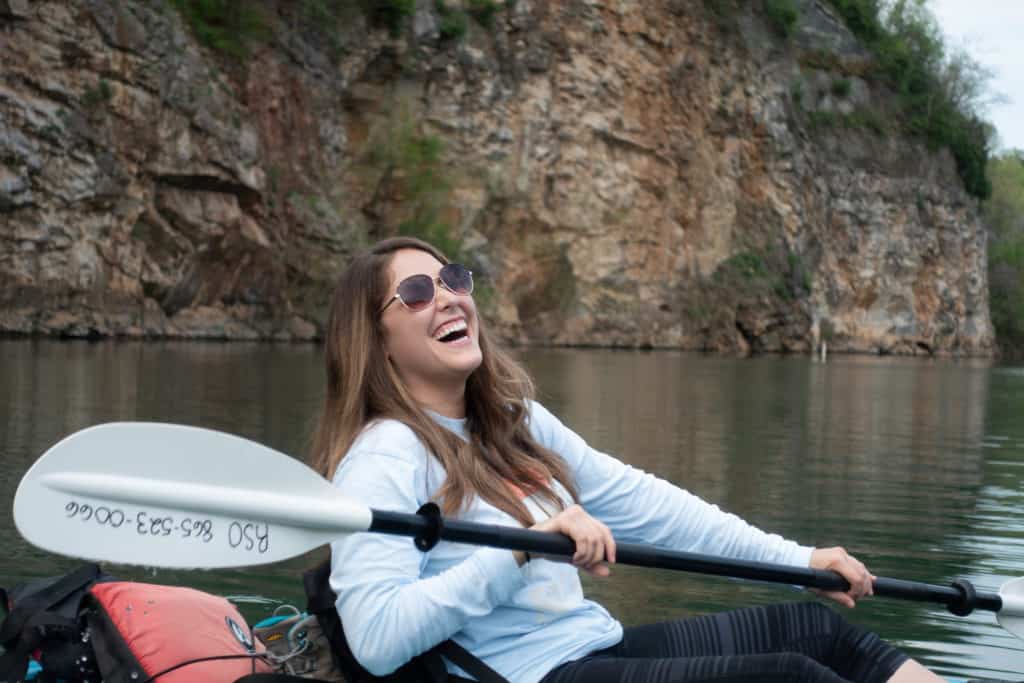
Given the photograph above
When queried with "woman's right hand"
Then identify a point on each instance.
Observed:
(595, 546)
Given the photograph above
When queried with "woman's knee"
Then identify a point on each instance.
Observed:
(821, 613)
(821, 620)
(850, 650)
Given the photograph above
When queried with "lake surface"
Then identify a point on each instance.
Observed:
(916, 466)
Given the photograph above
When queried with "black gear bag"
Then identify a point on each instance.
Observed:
(42, 622)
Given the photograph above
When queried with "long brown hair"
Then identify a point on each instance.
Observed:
(363, 385)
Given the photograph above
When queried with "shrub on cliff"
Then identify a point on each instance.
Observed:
(234, 26)
(390, 13)
(225, 25)
(783, 15)
(405, 165)
(940, 92)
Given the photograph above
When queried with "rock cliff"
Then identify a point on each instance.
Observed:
(621, 172)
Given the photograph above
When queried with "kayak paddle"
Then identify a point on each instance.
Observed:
(185, 497)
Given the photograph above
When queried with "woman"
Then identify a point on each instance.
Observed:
(421, 405)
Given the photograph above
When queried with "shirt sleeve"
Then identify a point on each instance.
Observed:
(642, 508)
(389, 610)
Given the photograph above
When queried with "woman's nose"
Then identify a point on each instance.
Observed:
(444, 297)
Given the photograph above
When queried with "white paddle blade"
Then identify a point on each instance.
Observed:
(129, 492)
(1011, 616)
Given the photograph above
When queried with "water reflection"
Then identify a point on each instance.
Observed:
(915, 465)
(885, 456)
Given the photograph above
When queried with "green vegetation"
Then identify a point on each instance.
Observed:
(863, 17)
(796, 91)
(389, 13)
(939, 93)
(747, 265)
(322, 20)
(778, 271)
(93, 97)
(483, 11)
(782, 15)
(233, 27)
(1004, 216)
(406, 166)
(761, 277)
(413, 162)
(841, 87)
(454, 22)
(228, 26)
(830, 61)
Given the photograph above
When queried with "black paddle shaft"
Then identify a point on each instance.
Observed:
(427, 527)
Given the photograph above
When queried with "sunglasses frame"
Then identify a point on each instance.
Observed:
(436, 281)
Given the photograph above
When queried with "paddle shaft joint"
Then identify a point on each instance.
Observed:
(968, 598)
(431, 534)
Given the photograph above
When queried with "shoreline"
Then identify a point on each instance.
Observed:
(997, 354)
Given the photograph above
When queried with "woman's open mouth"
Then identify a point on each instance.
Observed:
(453, 332)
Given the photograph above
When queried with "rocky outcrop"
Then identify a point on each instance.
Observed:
(623, 173)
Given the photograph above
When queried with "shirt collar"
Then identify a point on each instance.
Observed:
(454, 424)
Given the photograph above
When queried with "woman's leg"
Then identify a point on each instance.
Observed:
(807, 628)
(764, 668)
(810, 630)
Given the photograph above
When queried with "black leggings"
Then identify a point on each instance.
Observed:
(791, 642)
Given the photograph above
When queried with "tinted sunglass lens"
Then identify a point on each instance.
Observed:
(457, 278)
(416, 291)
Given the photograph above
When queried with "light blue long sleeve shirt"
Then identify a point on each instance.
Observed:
(396, 602)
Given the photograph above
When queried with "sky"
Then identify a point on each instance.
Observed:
(992, 31)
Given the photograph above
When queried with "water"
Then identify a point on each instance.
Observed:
(916, 466)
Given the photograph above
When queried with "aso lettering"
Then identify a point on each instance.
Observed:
(249, 536)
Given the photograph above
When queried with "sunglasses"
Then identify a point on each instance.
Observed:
(416, 292)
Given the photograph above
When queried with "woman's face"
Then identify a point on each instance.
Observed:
(412, 339)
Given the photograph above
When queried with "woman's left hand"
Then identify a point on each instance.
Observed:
(850, 568)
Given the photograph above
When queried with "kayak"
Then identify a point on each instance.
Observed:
(35, 669)
(202, 528)
(282, 643)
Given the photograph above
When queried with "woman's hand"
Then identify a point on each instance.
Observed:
(595, 546)
(850, 568)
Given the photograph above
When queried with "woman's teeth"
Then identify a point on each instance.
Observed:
(451, 331)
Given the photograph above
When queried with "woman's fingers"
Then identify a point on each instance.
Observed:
(586, 532)
(850, 568)
(609, 544)
(603, 551)
(594, 542)
(867, 581)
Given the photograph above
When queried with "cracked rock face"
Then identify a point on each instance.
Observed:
(621, 173)
(133, 185)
